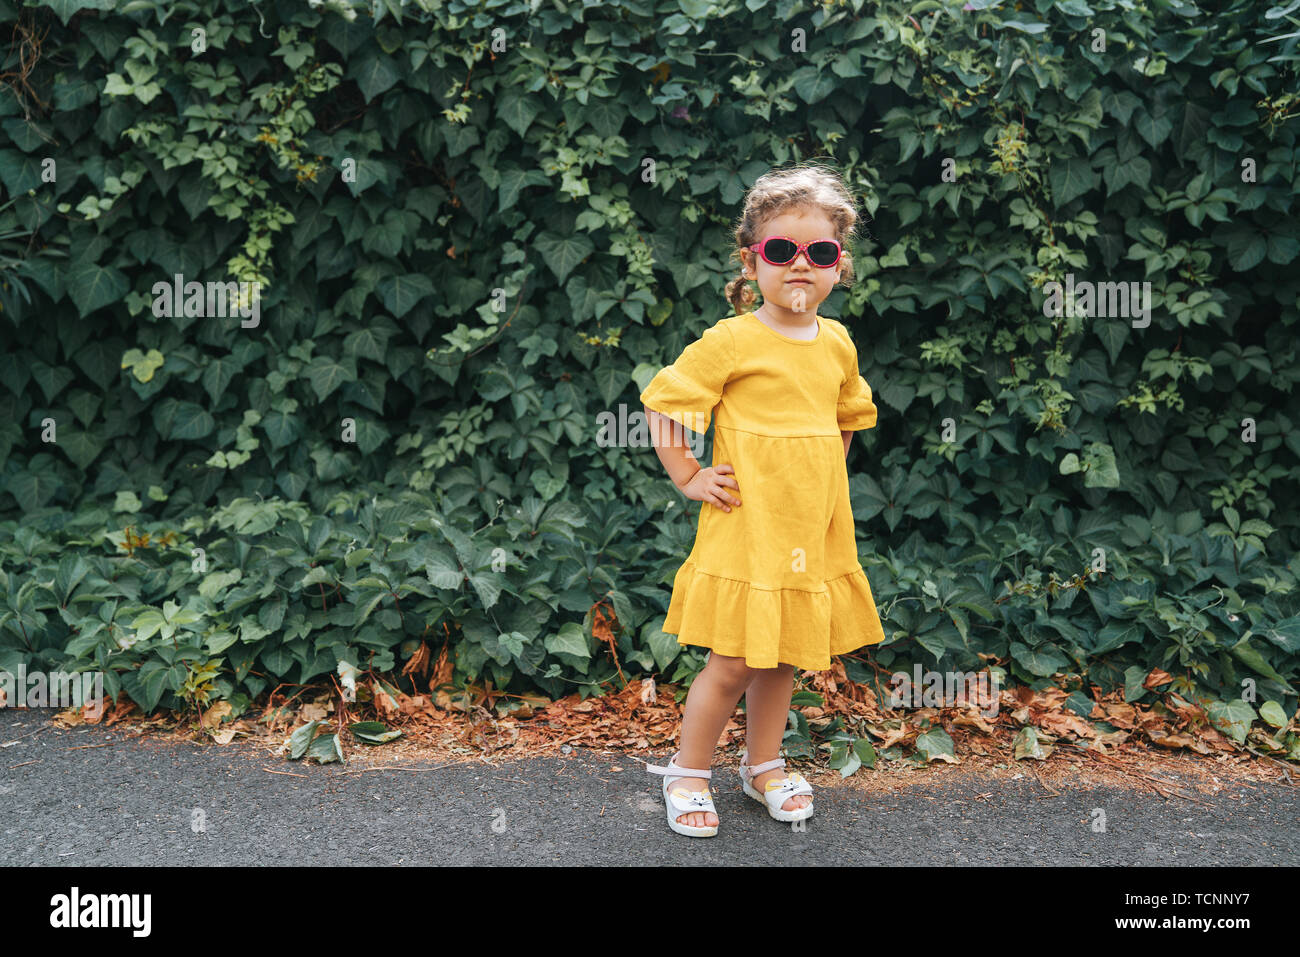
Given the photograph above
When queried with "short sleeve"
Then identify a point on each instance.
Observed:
(855, 410)
(688, 390)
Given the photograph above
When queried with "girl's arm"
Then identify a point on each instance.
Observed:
(847, 437)
(681, 465)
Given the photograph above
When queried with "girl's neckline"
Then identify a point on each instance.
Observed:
(798, 342)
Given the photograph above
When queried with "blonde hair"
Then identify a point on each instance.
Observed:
(777, 191)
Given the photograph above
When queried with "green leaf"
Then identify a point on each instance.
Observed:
(1246, 249)
(1027, 745)
(1282, 249)
(442, 569)
(373, 732)
(300, 739)
(1285, 634)
(1272, 712)
(82, 448)
(606, 115)
(91, 286)
(611, 379)
(1155, 126)
(1080, 704)
(1113, 335)
(518, 110)
(1135, 677)
(563, 253)
(19, 172)
(153, 682)
(570, 641)
(369, 171)
(1233, 718)
(326, 749)
(399, 294)
(813, 85)
(1249, 655)
(935, 745)
(1102, 470)
(487, 587)
(1043, 661)
(1071, 178)
(664, 648)
(1191, 133)
(184, 420)
(218, 372)
(327, 374)
(1024, 26)
(65, 9)
(374, 74)
(51, 379)
(33, 489)
(851, 763)
(513, 181)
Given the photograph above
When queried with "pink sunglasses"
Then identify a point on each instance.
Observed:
(782, 250)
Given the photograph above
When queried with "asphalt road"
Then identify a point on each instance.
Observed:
(142, 801)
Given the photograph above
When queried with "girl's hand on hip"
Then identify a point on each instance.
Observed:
(710, 485)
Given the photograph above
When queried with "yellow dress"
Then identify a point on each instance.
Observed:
(776, 580)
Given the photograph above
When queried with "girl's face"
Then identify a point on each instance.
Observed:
(798, 286)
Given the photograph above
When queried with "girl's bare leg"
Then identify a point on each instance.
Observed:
(767, 710)
(710, 702)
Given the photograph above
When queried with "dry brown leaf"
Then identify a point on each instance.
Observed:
(1111, 737)
(455, 701)
(312, 712)
(1066, 722)
(384, 702)
(70, 718)
(92, 712)
(1157, 678)
(1119, 714)
(1050, 699)
(442, 671)
(973, 719)
(120, 710)
(1150, 719)
(1166, 740)
(214, 715)
(892, 738)
(419, 661)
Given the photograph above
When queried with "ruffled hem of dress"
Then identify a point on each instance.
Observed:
(772, 626)
(679, 399)
(856, 415)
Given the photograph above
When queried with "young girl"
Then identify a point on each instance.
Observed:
(773, 582)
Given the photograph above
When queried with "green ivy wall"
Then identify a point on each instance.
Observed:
(477, 227)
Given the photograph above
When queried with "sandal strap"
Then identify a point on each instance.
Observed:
(676, 771)
(765, 766)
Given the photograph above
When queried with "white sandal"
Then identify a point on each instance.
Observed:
(778, 790)
(682, 800)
